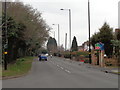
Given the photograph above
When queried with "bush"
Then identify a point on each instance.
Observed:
(86, 56)
(108, 63)
(86, 61)
(55, 54)
(85, 53)
(74, 53)
(67, 56)
(59, 55)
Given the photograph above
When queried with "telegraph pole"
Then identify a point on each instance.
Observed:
(89, 31)
(5, 46)
(70, 30)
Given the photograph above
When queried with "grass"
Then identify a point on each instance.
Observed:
(113, 67)
(116, 73)
(22, 66)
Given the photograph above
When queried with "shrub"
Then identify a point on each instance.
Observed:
(19, 61)
(85, 53)
(86, 61)
(67, 55)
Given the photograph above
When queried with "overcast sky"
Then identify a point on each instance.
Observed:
(101, 11)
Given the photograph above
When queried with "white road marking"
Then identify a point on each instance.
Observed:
(67, 71)
(58, 65)
(61, 67)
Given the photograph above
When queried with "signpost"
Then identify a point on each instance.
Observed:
(100, 47)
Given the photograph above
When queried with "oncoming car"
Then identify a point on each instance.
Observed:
(42, 57)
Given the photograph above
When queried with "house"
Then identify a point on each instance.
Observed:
(85, 46)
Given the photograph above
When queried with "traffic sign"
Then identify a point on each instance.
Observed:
(99, 46)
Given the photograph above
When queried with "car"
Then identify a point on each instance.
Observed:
(46, 54)
(43, 57)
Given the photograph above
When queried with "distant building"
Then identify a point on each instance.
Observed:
(86, 46)
(119, 14)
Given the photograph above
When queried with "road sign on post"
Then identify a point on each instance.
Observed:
(97, 46)
(100, 47)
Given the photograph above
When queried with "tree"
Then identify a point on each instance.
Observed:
(95, 39)
(118, 34)
(105, 35)
(27, 31)
(14, 37)
(52, 45)
(74, 45)
(116, 44)
(37, 31)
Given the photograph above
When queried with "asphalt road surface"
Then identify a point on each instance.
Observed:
(62, 73)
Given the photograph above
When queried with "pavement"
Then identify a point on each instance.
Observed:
(61, 73)
(104, 69)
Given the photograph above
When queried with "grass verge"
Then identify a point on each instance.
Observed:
(22, 66)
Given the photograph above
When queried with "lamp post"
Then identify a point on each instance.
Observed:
(69, 26)
(58, 34)
(65, 41)
(89, 31)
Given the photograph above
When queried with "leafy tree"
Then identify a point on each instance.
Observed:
(95, 39)
(26, 30)
(52, 45)
(105, 36)
(74, 45)
(116, 44)
(36, 28)
(14, 37)
(118, 35)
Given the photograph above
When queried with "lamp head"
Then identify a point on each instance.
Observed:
(61, 9)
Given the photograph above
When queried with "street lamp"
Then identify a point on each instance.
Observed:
(89, 31)
(65, 41)
(58, 34)
(69, 26)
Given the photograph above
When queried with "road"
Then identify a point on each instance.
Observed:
(62, 73)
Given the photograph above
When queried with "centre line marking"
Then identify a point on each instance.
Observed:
(67, 71)
(58, 65)
(61, 67)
